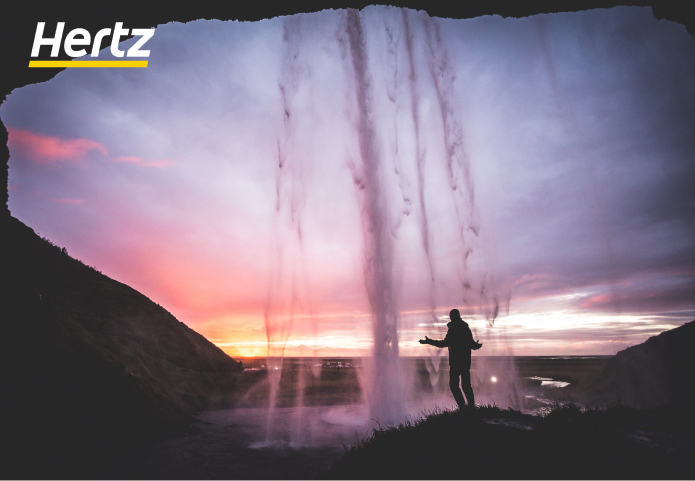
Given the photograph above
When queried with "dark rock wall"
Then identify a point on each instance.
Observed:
(84, 312)
(91, 369)
(657, 372)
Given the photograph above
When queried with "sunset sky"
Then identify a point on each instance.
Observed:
(223, 181)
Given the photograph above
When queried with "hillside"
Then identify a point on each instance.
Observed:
(619, 443)
(657, 372)
(89, 365)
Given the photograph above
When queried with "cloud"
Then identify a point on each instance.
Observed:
(650, 295)
(145, 163)
(45, 150)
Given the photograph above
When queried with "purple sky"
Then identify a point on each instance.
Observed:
(578, 129)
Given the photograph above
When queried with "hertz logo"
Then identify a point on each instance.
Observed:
(79, 37)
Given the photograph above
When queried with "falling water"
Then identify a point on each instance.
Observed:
(385, 396)
(288, 279)
(395, 61)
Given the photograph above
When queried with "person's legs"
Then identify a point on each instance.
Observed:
(467, 388)
(454, 374)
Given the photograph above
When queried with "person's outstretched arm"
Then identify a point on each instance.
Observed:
(474, 345)
(434, 342)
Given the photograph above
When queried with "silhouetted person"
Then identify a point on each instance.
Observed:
(459, 340)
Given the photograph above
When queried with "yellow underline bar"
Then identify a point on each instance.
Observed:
(87, 63)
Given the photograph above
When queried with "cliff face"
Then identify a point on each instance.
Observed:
(656, 372)
(89, 366)
(88, 313)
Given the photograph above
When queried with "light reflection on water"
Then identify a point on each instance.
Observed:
(536, 399)
(548, 382)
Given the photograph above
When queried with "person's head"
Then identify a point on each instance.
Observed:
(454, 315)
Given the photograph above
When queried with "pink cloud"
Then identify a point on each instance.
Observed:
(595, 301)
(146, 163)
(46, 150)
(69, 201)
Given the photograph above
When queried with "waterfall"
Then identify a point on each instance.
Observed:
(406, 129)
